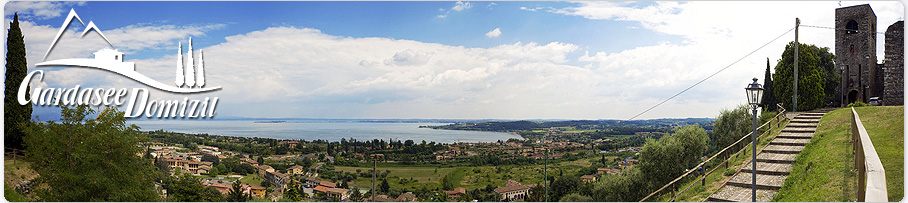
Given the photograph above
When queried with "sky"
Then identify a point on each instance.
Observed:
(442, 59)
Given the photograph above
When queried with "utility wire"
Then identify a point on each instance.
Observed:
(831, 28)
(714, 74)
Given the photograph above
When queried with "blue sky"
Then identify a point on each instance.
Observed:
(444, 59)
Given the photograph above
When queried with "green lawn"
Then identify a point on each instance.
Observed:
(823, 171)
(252, 179)
(886, 128)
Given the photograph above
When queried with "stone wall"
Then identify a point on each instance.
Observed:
(893, 65)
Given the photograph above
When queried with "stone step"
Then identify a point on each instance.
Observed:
(765, 182)
(764, 168)
(740, 194)
(807, 136)
(789, 141)
(804, 121)
(798, 130)
(781, 149)
(803, 125)
(820, 114)
(802, 116)
(776, 158)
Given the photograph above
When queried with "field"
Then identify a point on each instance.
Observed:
(415, 177)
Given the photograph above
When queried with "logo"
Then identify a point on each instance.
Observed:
(189, 79)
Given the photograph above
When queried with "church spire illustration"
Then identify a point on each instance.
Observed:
(187, 75)
(179, 81)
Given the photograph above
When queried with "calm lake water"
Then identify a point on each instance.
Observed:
(331, 131)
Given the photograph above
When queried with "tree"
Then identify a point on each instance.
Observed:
(89, 159)
(384, 186)
(574, 197)
(731, 126)
(355, 195)
(536, 194)
(293, 192)
(214, 172)
(815, 66)
(564, 185)
(665, 159)
(16, 117)
(769, 100)
(211, 158)
(236, 193)
(261, 160)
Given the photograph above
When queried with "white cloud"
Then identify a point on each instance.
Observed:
(39, 9)
(494, 33)
(460, 6)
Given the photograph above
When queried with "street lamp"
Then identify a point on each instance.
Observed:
(754, 95)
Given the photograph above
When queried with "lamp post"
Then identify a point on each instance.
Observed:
(754, 95)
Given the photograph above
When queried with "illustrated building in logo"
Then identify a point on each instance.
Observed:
(113, 60)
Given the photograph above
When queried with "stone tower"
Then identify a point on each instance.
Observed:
(893, 65)
(855, 49)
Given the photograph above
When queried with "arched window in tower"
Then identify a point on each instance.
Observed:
(851, 27)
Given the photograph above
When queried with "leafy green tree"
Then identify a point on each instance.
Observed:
(261, 160)
(815, 66)
(447, 183)
(293, 192)
(214, 172)
(630, 186)
(667, 158)
(769, 98)
(187, 188)
(731, 126)
(15, 117)
(211, 158)
(564, 185)
(236, 193)
(536, 194)
(90, 159)
(574, 197)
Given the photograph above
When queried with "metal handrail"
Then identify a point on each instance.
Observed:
(777, 117)
(871, 175)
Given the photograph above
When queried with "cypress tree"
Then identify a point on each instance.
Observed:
(769, 100)
(15, 116)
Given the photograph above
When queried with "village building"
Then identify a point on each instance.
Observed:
(588, 178)
(263, 169)
(186, 165)
(512, 191)
(295, 170)
(277, 178)
(456, 193)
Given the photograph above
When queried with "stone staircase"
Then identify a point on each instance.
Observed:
(774, 162)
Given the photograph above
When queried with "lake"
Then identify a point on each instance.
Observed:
(331, 131)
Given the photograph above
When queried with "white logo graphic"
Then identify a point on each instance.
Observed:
(189, 79)
(112, 60)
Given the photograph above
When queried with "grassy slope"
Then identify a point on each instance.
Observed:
(467, 177)
(886, 128)
(14, 173)
(830, 160)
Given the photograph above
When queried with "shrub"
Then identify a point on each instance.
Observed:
(858, 104)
